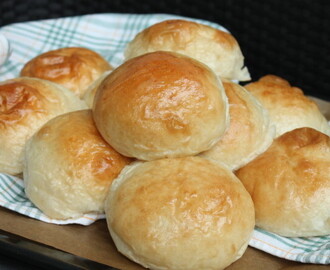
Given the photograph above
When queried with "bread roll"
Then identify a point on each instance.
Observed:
(159, 105)
(215, 48)
(249, 134)
(73, 67)
(91, 90)
(69, 167)
(288, 107)
(181, 213)
(290, 184)
(26, 104)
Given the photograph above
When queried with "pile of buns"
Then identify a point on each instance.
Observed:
(183, 159)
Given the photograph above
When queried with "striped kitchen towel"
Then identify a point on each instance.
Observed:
(12, 196)
(108, 34)
(300, 249)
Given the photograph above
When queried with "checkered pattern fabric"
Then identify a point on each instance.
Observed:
(12, 196)
(108, 34)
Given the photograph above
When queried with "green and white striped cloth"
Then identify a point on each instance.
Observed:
(108, 34)
(12, 196)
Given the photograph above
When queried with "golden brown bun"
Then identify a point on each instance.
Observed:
(161, 104)
(290, 184)
(69, 167)
(26, 104)
(73, 67)
(249, 134)
(91, 90)
(215, 48)
(182, 213)
(288, 107)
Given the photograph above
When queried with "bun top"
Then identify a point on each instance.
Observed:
(288, 107)
(79, 170)
(183, 213)
(26, 104)
(250, 131)
(73, 67)
(21, 97)
(215, 48)
(161, 104)
(290, 184)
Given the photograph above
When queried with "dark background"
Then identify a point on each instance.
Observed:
(289, 38)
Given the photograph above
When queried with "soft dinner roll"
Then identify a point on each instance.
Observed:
(179, 214)
(288, 107)
(73, 67)
(69, 167)
(91, 90)
(159, 105)
(25, 105)
(290, 184)
(249, 134)
(215, 48)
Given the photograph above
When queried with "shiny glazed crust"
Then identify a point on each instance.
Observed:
(26, 104)
(182, 213)
(69, 167)
(161, 104)
(215, 48)
(74, 67)
(290, 184)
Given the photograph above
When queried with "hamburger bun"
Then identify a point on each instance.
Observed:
(73, 67)
(80, 166)
(290, 184)
(181, 213)
(288, 107)
(213, 47)
(159, 105)
(26, 104)
(249, 134)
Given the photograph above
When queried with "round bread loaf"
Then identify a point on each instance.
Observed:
(290, 184)
(159, 105)
(69, 167)
(249, 134)
(73, 67)
(26, 104)
(91, 90)
(215, 48)
(180, 213)
(288, 107)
